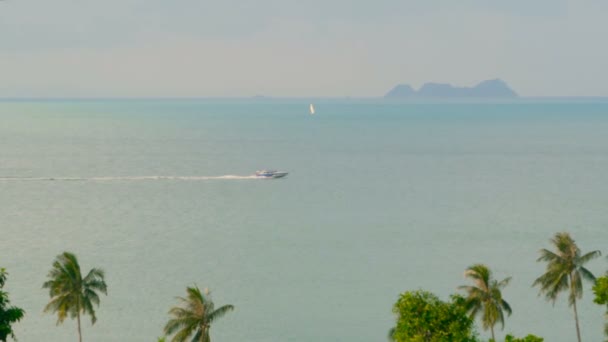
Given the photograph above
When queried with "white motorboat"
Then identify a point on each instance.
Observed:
(270, 174)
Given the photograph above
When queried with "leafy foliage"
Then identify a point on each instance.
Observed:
(565, 271)
(71, 294)
(485, 297)
(8, 314)
(600, 289)
(529, 338)
(422, 317)
(194, 316)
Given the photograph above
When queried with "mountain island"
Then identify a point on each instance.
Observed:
(496, 88)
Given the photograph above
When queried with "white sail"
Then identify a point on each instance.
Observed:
(312, 109)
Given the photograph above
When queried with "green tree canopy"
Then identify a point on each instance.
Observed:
(71, 294)
(8, 314)
(565, 272)
(600, 289)
(529, 338)
(422, 317)
(194, 316)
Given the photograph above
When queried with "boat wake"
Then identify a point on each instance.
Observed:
(130, 178)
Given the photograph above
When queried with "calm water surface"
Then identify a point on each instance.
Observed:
(381, 198)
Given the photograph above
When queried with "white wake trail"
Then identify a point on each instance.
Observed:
(131, 178)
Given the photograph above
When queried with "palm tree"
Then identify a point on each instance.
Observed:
(485, 297)
(70, 293)
(194, 316)
(565, 271)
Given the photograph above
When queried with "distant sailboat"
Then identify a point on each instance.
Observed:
(312, 109)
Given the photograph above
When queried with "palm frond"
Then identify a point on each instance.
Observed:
(503, 283)
(183, 334)
(587, 275)
(220, 312)
(547, 255)
(70, 266)
(474, 306)
(96, 285)
(58, 305)
(197, 336)
(473, 291)
(500, 318)
(551, 283)
(506, 307)
(589, 256)
(87, 307)
(91, 296)
(564, 244)
(94, 273)
(174, 325)
(480, 274)
(194, 294)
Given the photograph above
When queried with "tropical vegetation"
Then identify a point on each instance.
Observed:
(484, 298)
(423, 317)
(420, 315)
(8, 314)
(194, 316)
(565, 272)
(528, 338)
(71, 294)
(600, 289)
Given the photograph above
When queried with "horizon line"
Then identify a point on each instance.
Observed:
(263, 97)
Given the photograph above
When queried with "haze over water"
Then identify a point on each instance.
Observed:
(381, 198)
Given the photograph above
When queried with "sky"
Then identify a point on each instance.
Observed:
(305, 48)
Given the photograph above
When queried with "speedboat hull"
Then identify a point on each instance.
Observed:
(279, 174)
(269, 174)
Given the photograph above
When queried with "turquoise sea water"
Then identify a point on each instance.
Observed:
(381, 198)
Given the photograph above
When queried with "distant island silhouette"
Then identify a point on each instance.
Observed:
(496, 88)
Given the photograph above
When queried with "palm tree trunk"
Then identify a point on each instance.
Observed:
(492, 330)
(79, 331)
(578, 330)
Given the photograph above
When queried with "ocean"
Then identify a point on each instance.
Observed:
(381, 198)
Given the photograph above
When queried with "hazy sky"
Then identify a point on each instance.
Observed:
(299, 48)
